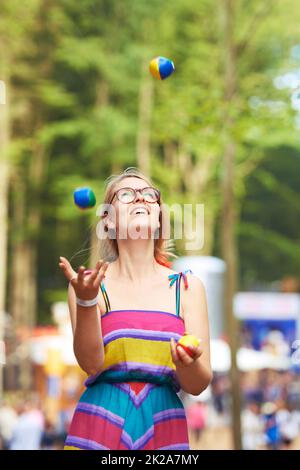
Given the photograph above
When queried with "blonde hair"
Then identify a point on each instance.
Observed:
(108, 247)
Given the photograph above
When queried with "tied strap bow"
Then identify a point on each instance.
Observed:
(174, 277)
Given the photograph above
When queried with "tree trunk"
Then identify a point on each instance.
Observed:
(26, 221)
(196, 178)
(209, 225)
(4, 184)
(228, 213)
(37, 175)
(23, 276)
(23, 291)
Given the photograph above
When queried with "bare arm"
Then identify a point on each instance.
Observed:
(72, 306)
(194, 375)
(87, 335)
(86, 325)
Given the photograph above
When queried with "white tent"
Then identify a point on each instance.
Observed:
(220, 355)
(250, 359)
(247, 359)
(39, 347)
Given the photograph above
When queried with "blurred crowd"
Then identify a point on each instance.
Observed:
(24, 425)
(270, 417)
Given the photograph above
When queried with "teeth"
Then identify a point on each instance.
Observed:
(140, 211)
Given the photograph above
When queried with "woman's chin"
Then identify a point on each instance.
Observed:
(140, 231)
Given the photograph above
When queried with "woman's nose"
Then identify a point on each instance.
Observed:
(138, 196)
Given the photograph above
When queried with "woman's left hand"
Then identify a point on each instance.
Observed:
(181, 358)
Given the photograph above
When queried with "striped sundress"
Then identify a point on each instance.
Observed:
(133, 404)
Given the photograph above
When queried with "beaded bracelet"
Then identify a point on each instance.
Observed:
(87, 303)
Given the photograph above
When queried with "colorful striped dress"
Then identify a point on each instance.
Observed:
(133, 404)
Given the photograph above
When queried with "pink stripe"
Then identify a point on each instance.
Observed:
(170, 432)
(149, 445)
(147, 320)
(95, 428)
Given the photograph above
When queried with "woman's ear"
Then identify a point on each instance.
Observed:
(109, 225)
(105, 221)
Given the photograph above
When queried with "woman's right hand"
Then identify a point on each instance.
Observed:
(86, 285)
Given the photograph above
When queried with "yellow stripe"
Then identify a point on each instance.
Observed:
(156, 353)
(71, 448)
(154, 68)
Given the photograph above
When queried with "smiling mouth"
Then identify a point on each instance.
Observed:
(141, 211)
(139, 214)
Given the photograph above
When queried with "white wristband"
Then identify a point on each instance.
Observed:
(87, 303)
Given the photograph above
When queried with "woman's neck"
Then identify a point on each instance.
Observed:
(136, 262)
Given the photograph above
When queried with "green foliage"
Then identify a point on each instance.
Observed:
(77, 69)
(269, 229)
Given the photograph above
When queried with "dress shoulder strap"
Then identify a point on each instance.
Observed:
(106, 299)
(102, 286)
(176, 277)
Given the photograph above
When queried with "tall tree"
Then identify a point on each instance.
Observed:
(14, 41)
(229, 245)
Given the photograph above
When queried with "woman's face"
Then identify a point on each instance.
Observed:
(125, 217)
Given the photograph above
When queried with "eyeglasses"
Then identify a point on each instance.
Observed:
(128, 195)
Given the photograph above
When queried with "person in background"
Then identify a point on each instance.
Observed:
(271, 425)
(8, 418)
(28, 431)
(196, 418)
(252, 427)
(288, 425)
(50, 437)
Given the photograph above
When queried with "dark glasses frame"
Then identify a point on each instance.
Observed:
(136, 190)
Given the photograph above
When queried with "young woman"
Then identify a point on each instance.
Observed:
(125, 329)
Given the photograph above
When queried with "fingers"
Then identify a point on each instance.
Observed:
(67, 268)
(86, 282)
(184, 357)
(180, 357)
(103, 271)
(92, 278)
(199, 349)
(173, 352)
(94, 273)
(196, 351)
(80, 276)
(98, 273)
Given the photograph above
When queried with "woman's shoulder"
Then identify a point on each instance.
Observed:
(190, 281)
(167, 271)
(186, 274)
